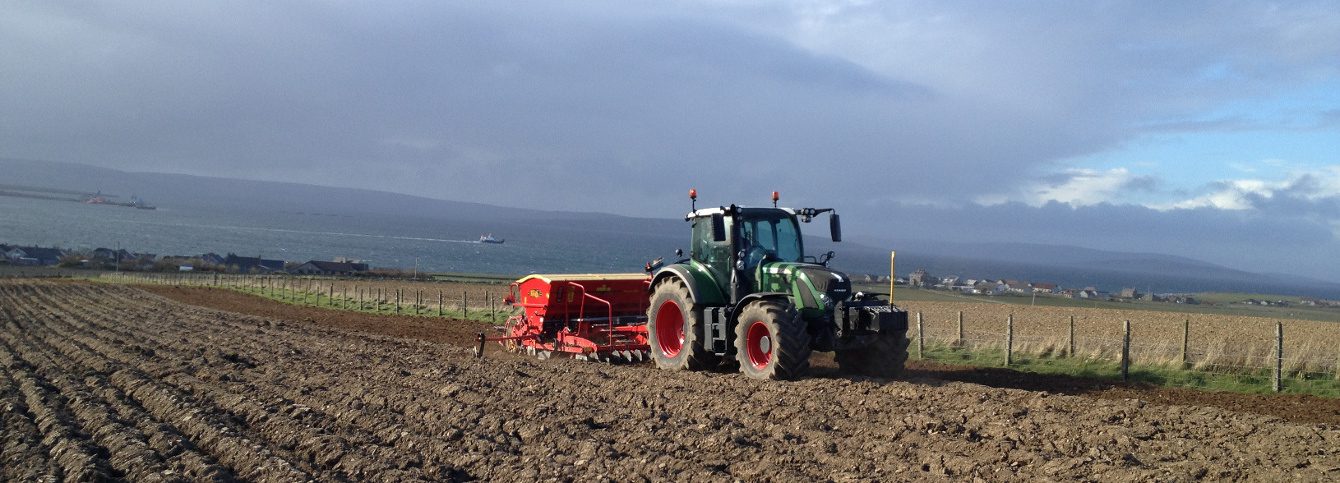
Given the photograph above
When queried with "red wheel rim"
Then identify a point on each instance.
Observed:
(669, 329)
(758, 345)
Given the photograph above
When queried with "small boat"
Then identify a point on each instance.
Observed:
(490, 239)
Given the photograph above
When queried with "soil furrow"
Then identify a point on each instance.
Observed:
(140, 446)
(217, 376)
(76, 456)
(21, 458)
(205, 429)
(305, 441)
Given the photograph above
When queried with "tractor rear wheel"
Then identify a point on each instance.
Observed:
(771, 341)
(673, 325)
(884, 357)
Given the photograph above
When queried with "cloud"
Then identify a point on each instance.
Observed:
(936, 102)
(1252, 240)
(1304, 193)
(1080, 187)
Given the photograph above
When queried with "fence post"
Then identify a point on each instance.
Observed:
(493, 310)
(397, 300)
(1186, 340)
(330, 301)
(439, 303)
(1337, 367)
(1009, 340)
(465, 298)
(960, 342)
(1278, 381)
(1126, 350)
(1070, 339)
(921, 338)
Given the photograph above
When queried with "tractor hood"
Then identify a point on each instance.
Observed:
(813, 286)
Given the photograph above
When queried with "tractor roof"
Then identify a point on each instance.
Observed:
(722, 210)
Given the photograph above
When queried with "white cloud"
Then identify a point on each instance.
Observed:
(1076, 187)
(1306, 186)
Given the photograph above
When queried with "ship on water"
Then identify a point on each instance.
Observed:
(490, 239)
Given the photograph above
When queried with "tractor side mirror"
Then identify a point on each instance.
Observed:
(718, 228)
(835, 226)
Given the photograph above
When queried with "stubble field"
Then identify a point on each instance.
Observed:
(110, 382)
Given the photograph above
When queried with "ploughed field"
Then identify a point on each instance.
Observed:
(109, 382)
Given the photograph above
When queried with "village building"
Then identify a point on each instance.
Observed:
(921, 279)
(33, 256)
(236, 264)
(1048, 288)
(318, 267)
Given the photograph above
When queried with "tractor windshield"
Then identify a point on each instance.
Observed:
(773, 231)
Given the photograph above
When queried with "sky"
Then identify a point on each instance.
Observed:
(1203, 129)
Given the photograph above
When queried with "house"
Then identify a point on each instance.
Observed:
(989, 288)
(317, 267)
(1089, 293)
(212, 258)
(34, 256)
(1017, 286)
(236, 264)
(111, 255)
(922, 279)
(1130, 293)
(1045, 288)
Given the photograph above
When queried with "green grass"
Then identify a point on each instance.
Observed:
(483, 278)
(1244, 381)
(1215, 303)
(482, 314)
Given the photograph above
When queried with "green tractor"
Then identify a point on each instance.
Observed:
(748, 292)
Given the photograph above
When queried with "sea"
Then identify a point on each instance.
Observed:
(402, 242)
(410, 242)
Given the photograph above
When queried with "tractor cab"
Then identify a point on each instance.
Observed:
(752, 250)
(743, 240)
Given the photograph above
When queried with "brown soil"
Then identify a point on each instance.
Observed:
(107, 382)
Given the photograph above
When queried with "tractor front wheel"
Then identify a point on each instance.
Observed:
(771, 341)
(673, 325)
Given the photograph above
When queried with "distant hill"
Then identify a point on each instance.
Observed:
(167, 190)
(1077, 267)
(1065, 265)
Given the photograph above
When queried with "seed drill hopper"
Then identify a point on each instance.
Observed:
(598, 317)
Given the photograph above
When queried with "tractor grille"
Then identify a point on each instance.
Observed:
(830, 282)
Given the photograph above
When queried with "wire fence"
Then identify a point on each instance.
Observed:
(423, 298)
(1191, 350)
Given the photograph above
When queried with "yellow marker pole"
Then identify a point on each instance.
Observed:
(891, 256)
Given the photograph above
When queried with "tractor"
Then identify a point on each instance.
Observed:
(748, 292)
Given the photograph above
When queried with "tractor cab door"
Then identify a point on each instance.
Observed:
(714, 255)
